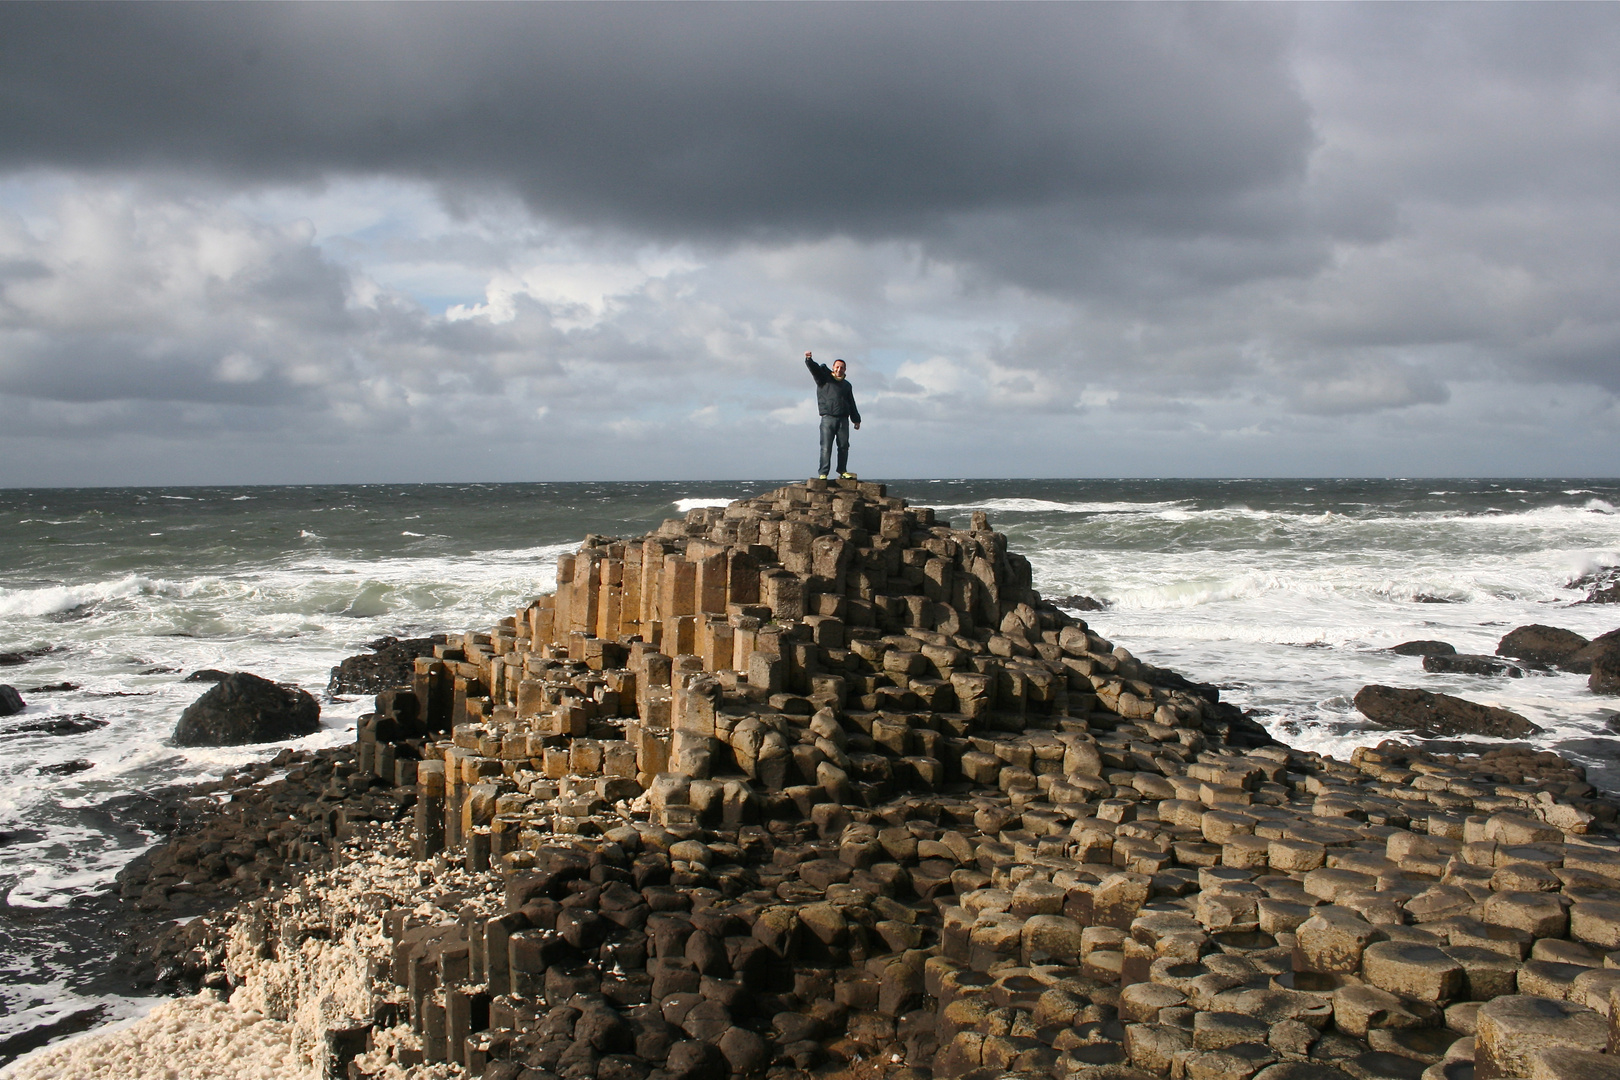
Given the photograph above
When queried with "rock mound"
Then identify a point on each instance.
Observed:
(1605, 676)
(1424, 648)
(243, 708)
(1470, 664)
(11, 702)
(390, 665)
(1547, 646)
(1438, 714)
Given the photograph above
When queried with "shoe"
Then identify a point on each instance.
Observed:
(846, 476)
(823, 476)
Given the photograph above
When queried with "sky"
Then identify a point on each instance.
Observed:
(312, 243)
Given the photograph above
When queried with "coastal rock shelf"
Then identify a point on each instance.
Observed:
(818, 782)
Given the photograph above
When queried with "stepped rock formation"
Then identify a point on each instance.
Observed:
(818, 774)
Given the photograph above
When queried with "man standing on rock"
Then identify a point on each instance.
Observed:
(835, 400)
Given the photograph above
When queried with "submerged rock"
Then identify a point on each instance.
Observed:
(1470, 664)
(56, 725)
(11, 702)
(1424, 648)
(1438, 714)
(1549, 646)
(243, 708)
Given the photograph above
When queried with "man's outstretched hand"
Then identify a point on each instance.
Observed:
(807, 354)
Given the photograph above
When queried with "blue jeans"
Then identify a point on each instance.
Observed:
(834, 427)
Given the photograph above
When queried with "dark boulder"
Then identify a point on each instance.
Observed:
(206, 674)
(392, 664)
(1423, 648)
(1582, 660)
(1546, 646)
(1605, 677)
(11, 702)
(1438, 714)
(243, 708)
(1470, 664)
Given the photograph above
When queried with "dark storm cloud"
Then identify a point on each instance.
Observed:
(679, 118)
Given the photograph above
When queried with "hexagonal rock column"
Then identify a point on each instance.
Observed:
(1412, 970)
(1510, 1029)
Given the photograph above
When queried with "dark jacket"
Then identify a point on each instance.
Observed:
(834, 397)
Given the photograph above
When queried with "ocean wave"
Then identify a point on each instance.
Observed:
(1040, 506)
(56, 599)
(684, 505)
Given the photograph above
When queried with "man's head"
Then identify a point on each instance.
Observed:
(838, 369)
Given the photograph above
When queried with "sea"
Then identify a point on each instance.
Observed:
(1286, 594)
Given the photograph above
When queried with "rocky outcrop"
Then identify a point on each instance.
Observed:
(1423, 648)
(1542, 646)
(388, 665)
(1438, 715)
(818, 782)
(1470, 664)
(243, 708)
(1602, 586)
(11, 702)
(228, 841)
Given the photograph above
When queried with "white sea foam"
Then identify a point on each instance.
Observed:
(1041, 506)
(55, 599)
(684, 505)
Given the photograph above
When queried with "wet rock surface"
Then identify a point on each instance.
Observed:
(23, 656)
(1470, 664)
(1544, 646)
(243, 708)
(54, 725)
(1602, 586)
(816, 784)
(1438, 714)
(11, 702)
(388, 665)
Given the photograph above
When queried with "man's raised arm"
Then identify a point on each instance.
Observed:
(819, 372)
